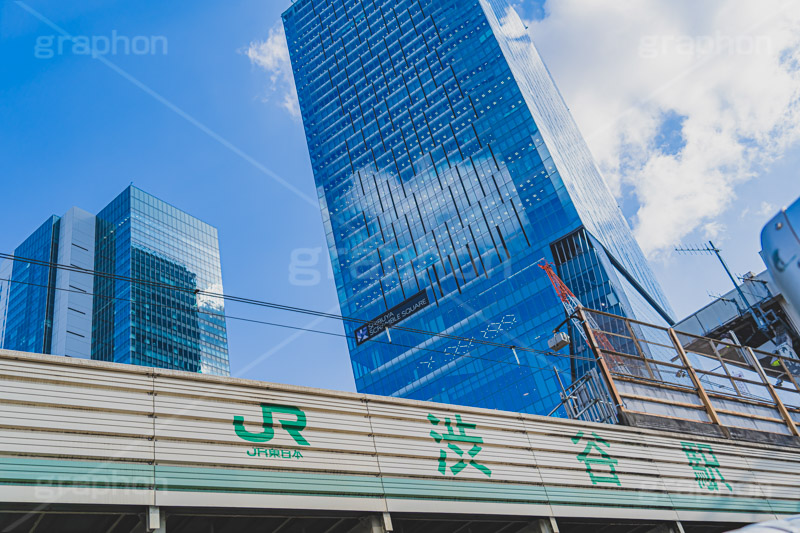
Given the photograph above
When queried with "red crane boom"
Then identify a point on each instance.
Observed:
(571, 304)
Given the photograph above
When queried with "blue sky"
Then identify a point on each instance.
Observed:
(205, 127)
(75, 132)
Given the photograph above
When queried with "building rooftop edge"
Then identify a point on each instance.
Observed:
(132, 186)
(291, 5)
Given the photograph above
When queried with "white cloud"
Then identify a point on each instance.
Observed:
(729, 69)
(272, 55)
(767, 210)
(713, 229)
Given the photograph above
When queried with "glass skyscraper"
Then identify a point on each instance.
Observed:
(44, 309)
(447, 164)
(165, 324)
(30, 300)
(161, 321)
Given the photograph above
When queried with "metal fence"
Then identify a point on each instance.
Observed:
(657, 371)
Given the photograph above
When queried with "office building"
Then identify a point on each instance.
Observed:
(72, 306)
(141, 237)
(159, 320)
(6, 268)
(447, 164)
(29, 317)
(47, 310)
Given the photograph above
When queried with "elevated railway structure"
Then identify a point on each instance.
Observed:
(94, 446)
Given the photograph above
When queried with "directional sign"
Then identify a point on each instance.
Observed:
(399, 312)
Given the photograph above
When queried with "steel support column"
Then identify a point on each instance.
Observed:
(156, 520)
(787, 417)
(710, 411)
(381, 523)
(543, 525)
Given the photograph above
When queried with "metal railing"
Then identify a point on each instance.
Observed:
(658, 371)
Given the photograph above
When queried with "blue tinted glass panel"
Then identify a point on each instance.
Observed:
(446, 163)
(165, 323)
(29, 320)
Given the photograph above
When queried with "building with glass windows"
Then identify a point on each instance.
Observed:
(164, 323)
(45, 309)
(447, 164)
(6, 268)
(29, 314)
(146, 310)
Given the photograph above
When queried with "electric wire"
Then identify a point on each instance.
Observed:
(272, 305)
(288, 326)
(330, 333)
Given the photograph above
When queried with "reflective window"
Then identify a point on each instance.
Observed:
(447, 162)
(163, 322)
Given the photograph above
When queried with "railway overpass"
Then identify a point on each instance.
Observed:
(93, 446)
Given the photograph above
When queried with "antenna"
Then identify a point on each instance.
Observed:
(709, 249)
(721, 298)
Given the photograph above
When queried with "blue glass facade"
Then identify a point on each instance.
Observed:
(141, 237)
(445, 160)
(29, 319)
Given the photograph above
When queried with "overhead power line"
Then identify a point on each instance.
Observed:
(311, 330)
(283, 307)
(285, 326)
(298, 328)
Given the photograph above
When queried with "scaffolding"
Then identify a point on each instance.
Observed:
(659, 377)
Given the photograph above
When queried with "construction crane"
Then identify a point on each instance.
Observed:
(588, 397)
(571, 305)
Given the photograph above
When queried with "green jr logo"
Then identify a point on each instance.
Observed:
(292, 427)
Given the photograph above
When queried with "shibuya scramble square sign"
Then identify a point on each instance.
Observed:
(401, 311)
